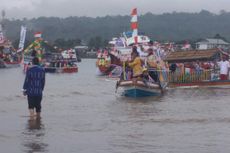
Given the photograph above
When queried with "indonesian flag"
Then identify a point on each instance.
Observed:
(38, 35)
(134, 24)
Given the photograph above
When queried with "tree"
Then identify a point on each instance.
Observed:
(218, 36)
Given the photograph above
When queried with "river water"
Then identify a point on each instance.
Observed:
(82, 114)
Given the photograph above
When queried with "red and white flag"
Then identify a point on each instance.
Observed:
(134, 25)
(38, 35)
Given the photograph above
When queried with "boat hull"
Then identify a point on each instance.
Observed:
(140, 92)
(216, 83)
(140, 89)
(61, 70)
(11, 64)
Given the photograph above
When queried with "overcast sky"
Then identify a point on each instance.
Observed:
(63, 8)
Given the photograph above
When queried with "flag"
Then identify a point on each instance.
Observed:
(1, 37)
(134, 25)
(22, 39)
(38, 35)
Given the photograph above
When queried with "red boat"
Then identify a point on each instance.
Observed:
(70, 70)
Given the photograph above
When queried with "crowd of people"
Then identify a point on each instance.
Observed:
(217, 70)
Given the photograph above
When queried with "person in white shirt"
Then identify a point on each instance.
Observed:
(224, 68)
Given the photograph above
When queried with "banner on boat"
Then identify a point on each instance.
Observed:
(1, 37)
(22, 39)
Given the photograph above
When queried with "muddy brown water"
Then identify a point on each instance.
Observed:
(82, 114)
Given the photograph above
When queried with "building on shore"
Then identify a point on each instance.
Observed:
(212, 43)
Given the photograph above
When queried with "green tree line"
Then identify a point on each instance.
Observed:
(96, 32)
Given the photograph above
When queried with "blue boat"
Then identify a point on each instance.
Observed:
(140, 89)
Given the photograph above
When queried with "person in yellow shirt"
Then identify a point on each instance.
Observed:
(136, 65)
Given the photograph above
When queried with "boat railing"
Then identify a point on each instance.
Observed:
(161, 75)
(195, 76)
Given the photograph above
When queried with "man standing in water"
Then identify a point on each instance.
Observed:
(33, 87)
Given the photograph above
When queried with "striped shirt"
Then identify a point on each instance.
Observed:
(35, 81)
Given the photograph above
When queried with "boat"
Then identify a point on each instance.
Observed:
(12, 64)
(202, 84)
(52, 61)
(144, 85)
(140, 89)
(204, 79)
(61, 70)
(61, 66)
(9, 57)
(107, 62)
(190, 78)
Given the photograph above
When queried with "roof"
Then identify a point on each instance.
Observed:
(193, 55)
(213, 41)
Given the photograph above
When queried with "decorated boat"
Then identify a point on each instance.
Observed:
(107, 62)
(61, 66)
(143, 84)
(197, 69)
(202, 84)
(52, 61)
(12, 64)
(9, 57)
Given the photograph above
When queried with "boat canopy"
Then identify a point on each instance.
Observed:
(194, 55)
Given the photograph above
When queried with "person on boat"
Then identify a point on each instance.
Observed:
(145, 76)
(173, 68)
(152, 65)
(33, 87)
(224, 68)
(136, 65)
(34, 53)
(198, 67)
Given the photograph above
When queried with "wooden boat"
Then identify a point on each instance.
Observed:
(12, 64)
(192, 79)
(207, 78)
(140, 89)
(200, 84)
(104, 69)
(70, 69)
(61, 69)
(107, 62)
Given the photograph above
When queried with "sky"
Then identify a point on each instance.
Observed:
(18, 9)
